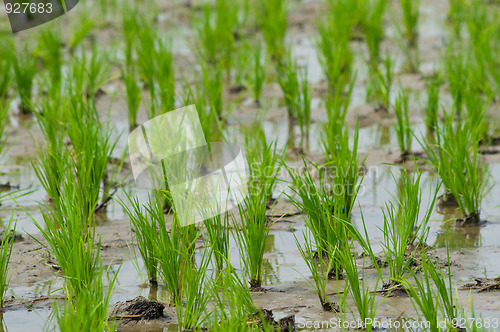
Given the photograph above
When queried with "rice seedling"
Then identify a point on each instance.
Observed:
(134, 97)
(218, 233)
(432, 107)
(191, 307)
(24, 64)
(88, 311)
(272, 22)
(411, 12)
(402, 228)
(456, 158)
(320, 263)
(4, 112)
(404, 132)
(5, 253)
(257, 75)
(264, 161)
(455, 67)
(457, 14)
(373, 27)
(335, 56)
(297, 94)
(146, 234)
(165, 77)
(49, 46)
(379, 84)
(357, 286)
(252, 236)
(213, 84)
(6, 77)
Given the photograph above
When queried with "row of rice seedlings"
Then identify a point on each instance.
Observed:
(272, 19)
(373, 27)
(411, 13)
(457, 160)
(379, 84)
(403, 230)
(404, 132)
(297, 94)
(264, 161)
(334, 55)
(7, 242)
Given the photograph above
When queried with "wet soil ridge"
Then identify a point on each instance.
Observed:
(137, 309)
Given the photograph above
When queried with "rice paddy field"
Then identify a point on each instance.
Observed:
(371, 132)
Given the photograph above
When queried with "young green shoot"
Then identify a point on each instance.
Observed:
(134, 97)
(273, 21)
(411, 12)
(24, 63)
(5, 254)
(404, 132)
(373, 27)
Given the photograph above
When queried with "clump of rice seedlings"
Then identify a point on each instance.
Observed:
(98, 72)
(326, 205)
(197, 292)
(264, 161)
(379, 85)
(404, 132)
(335, 56)
(402, 228)
(5, 253)
(6, 77)
(411, 12)
(357, 286)
(218, 233)
(252, 237)
(257, 75)
(319, 262)
(216, 34)
(455, 68)
(273, 21)
(373, 27)
(4, 112)
(146, 234)
(297, 94)
(75, 314)
(432, 107)
(213, 84)
(342, 162)
(49, 46)
(134, 97)
(165, 77)
(24, 64)
(456, 158)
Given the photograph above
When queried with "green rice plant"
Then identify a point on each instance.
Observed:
(216, 34)
(165, 77)
(344, 17)
(379, 84)
(6, 76)
(342, 161)
(432, 107)
(218, 235)
(456, 158)
(146, 234)
(455, 68)
(50, 49)
(134, 97)
(5, 253)
(252, 236)
(402, 227)
(98, 71)
(411, 12)
(335, 56)
(24, 64)
(457, 14)
(213, 85)
(88, 311)
(373, 27)
(257, 75)
(4, 112)
(404, 132)
(191, 307)
(297, 94)
(81, 30)
(264, 160)
(320, 264)
(272, 19)
(326, 207)
(357, 286)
